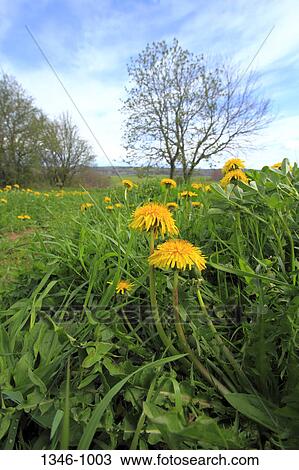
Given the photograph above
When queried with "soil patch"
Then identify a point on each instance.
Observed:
(16, 235)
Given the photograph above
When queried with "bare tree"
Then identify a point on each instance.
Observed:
(20, 131)
(64, 152)
(181, 109)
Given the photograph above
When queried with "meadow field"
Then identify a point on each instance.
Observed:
(127, 322)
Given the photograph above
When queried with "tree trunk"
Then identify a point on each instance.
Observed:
(188, 174)
(185, 173)
(57, 180)
(172, 170)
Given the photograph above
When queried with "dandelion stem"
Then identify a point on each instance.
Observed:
(185, 345)
(155, 311)
(166, 194)
(292, 249)
(65, 432)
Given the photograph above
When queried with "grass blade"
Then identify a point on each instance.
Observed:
(65, 433)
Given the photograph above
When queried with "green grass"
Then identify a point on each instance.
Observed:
(84, 367)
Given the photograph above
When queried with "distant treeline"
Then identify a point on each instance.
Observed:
(33, 147)
(212, 173)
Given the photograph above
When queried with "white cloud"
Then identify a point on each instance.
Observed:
(98, 102)
(281, 140)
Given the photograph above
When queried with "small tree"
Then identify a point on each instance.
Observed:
(181, 109)
(64, 152)
(20, 132)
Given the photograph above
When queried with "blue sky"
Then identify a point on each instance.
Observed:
(90, 42)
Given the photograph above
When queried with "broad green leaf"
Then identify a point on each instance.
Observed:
(16, 397)
(101, 407)
(255, 408)
(4, 424)
(96, 354)
(56, 421)
(37, 381)
(239, 272)
(90, 378)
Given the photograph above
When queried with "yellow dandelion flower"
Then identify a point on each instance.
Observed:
(172, 205)
(128, 184)
(187, 194)
(24, 217)
(107, 199)
(109, 208)
(233, 164)
(197, 186)
(234, 175)
(4, 201)
(118, 205)
(123, 287)
(7, 187)
(178, 254)
(85, 205)
(156, 217)
(36, 193)
(201, 187)
(277, 166)
(168, 182)
(28, 190)
(17, 186)
(46, 194)
(196, 204)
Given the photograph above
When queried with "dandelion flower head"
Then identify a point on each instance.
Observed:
(197, 186)
(234, 175)
(156, 217)
(187, 194)
(178, 254)
(123, 287)
(196, 204)
(23, 217)
(172, 205)
(85, 205)
(128, 184)
(168, 183)
(233, 164)
(277, 166)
